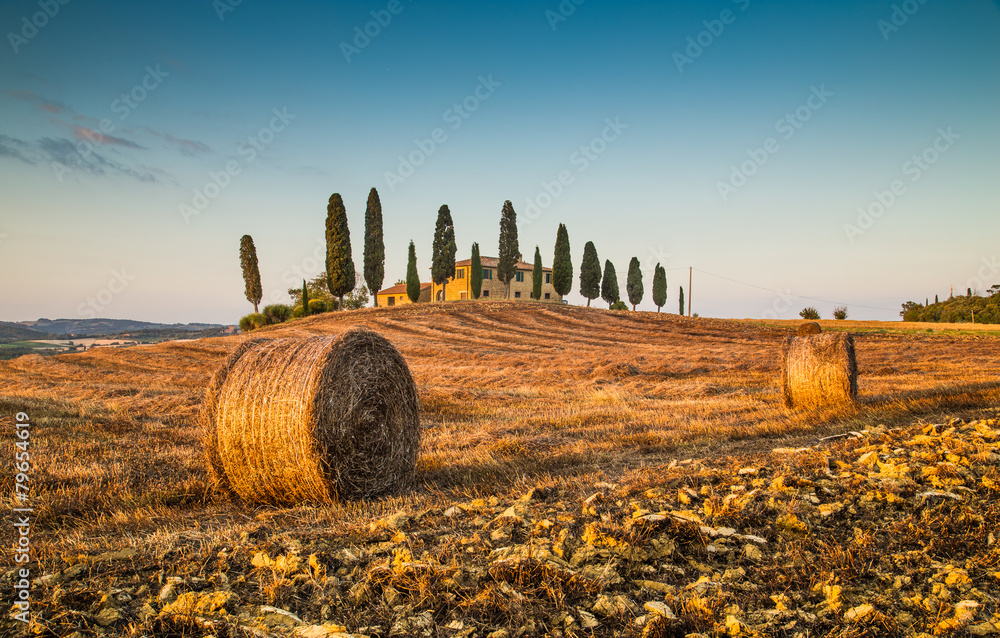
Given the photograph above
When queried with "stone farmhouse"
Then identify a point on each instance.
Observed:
(396, 295)
(460, 286)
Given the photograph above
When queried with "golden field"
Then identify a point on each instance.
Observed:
(570, 401)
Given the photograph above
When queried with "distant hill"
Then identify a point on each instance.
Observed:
(10, 331)
(92, 327)
(955, 310)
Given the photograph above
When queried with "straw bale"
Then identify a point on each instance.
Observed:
(315, 419)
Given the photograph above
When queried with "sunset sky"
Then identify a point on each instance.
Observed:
(794, 153)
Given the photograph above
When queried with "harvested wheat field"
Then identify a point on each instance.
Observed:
(581, 473)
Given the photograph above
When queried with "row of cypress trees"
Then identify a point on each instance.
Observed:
(340, 272)
(593, 283)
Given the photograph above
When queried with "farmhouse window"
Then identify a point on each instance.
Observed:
(519, 276)
(546, 295)
(548, 280)
(486, 293)
(460, 273)
(487, 273)
(392, 301)
(517, 294)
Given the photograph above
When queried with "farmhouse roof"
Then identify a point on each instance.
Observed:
(400, 289)
(491, 262)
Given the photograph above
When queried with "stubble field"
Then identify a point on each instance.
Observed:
(653, 414)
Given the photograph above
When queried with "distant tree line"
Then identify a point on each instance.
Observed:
(961, 309)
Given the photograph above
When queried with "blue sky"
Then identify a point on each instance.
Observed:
(839, 151)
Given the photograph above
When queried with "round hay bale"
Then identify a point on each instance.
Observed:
(819, 371)
(809, 328)
(316, 419)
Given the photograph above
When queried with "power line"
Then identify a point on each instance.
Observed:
(780, 292)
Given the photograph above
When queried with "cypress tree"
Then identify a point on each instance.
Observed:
(633, 284)
(509, 253)
(412, 277)
(476, 272)
(374, 244)
(609, 284)
(305, 299)
(562, 264)
(251, 273)
(681, 300)
(339, 263)
(936, 299)
(443, 250)
(536, 276)
(590, 273)
(659, 286)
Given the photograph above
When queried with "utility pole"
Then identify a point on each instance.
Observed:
(690, 270)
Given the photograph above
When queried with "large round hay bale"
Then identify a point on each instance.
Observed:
(820, 371)
(316, 419)
(809, 328)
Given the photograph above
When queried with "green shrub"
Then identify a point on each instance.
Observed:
(277, 313)
(809, 313)
(297, 312)
(317, 306)
(619, 305)
(252, 321)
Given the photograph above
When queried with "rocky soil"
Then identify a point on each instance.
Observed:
(882, 532)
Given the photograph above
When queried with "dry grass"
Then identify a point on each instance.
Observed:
(512, 395)
(506, 390)
(895, 327)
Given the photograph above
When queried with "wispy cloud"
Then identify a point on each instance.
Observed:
(15, 148)
(90, 135)
(80, 146)
(69, 154)
(65, 152)
(49, 106)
